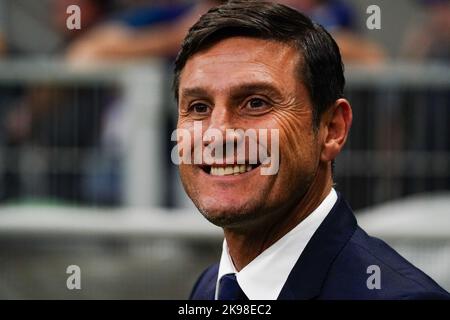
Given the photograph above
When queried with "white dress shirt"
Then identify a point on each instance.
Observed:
(264, 277)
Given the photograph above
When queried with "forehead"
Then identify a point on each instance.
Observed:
(234, 60)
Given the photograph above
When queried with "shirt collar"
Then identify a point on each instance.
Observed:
(264, 277)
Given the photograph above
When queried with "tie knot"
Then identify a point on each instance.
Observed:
(229, 288)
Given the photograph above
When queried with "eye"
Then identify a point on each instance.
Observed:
(257, 104)
(199, 108)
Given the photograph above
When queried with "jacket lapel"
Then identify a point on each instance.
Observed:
(306, 278)
(210, 292)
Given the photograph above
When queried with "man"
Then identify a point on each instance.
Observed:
(290, 235)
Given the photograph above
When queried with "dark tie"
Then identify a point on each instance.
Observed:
(229, 288)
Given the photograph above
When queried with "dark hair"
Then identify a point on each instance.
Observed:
(321, 67)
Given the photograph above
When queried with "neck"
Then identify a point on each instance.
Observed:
(246, 244)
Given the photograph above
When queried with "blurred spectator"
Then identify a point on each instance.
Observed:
(338, 18)
(141, 32)
(53, 116)
(39, 101)
(93, 12)
(2, 29)
(30, 27)
(332, 15)
(158, 31)
(430, 40)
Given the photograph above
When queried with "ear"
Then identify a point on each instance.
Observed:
(336, 124)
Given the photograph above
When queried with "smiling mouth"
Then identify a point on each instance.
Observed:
(228, 170)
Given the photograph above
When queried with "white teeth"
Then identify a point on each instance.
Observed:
(215, 171)
(230, 170)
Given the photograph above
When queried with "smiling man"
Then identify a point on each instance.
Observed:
(254, 65)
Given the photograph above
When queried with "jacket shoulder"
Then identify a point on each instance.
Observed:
(204, 287)
(368, 268)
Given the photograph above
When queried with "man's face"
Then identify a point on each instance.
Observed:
(246, 83)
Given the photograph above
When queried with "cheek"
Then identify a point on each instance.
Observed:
(185, 174)
(189, 179)
(184, 123)
(298, 145)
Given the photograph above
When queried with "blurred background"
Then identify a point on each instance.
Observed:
(85, 122)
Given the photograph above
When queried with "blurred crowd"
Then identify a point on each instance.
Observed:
(124, 29)
(67, 117)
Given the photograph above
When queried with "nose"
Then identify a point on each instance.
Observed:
(220, 119)
(223, 120)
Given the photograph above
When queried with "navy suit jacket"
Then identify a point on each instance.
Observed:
(334, 265)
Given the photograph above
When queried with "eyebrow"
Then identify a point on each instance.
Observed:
(236, 92)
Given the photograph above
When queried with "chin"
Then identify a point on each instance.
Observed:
(232, 215)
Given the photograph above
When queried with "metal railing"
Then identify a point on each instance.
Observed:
(141, 85)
